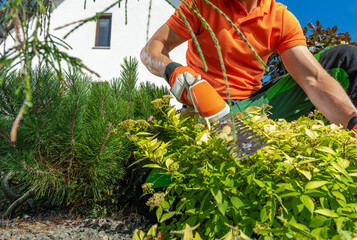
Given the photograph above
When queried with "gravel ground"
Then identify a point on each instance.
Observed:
(62, 227)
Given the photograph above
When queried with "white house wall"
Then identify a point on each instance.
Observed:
(126, 40)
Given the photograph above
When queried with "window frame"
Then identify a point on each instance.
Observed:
(104, 16)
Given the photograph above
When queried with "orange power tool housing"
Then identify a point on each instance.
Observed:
(207, 102)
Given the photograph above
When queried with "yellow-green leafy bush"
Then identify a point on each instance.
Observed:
(301, 185)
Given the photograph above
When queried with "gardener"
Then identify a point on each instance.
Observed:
(268, 26)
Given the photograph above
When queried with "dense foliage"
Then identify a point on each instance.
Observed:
(70, 144)
(301, 185)
(65, 143)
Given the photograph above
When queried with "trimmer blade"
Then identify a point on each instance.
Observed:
(247, 143)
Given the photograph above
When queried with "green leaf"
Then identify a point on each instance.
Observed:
(327, 213)
(264, 214)
(339, 195)
(166, 216)
(339, 224)
(297, 206)
(188, 235)
(341, 170)
(308, 203)
(197, 236)
(307, 174)
(136, 235)
(259, 183)
(228, 236)
(315, 184)
(222, 207)
(144, 134)
(352, 215)
(321, 232)
(152, 166)
(237, 202)
(310, 133)
(158, 213)
(168, 162)
(345, 235)
(343, 163)
(152, 231)
(290, 194)
(302, 229)
(165, 205)
(217, 194)
(326, 150)
(317, 221)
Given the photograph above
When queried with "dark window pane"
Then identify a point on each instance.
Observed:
(103, 34)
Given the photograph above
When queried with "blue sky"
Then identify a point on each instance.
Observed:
(329, 12)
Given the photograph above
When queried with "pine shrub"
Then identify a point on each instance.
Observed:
(65, 142)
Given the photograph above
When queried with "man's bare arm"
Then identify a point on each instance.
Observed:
(155, 54)
(322, 89)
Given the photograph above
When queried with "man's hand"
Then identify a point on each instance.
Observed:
(188, 87)
(323, 90)
(180, 79)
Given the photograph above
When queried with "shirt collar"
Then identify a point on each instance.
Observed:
(265, 5)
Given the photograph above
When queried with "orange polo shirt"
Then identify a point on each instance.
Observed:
(268, 27)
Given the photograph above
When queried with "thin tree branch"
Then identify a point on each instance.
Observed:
(6, 188)
(47, 104)
(71, 128)
(16, 124)
(20, 201)
(105, 138)
(7, 138)
(32, 170)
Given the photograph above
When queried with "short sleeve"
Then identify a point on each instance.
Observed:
(292, 34)
(177, 24)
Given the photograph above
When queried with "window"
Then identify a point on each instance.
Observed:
(104, 25)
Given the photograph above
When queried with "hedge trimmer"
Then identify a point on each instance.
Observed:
(247, 141)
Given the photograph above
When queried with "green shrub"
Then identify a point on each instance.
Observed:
(65, 142)
(301, 185)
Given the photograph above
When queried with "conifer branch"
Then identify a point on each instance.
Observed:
(129, 77)
(47, 104)
(101, 104)
(7, 138)
(8, 103)
(6, 188)
(6, 114)
(71, 129)
(105, 138)
(129, 95)
(142, 104)
(32, 170)
(15, 125)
